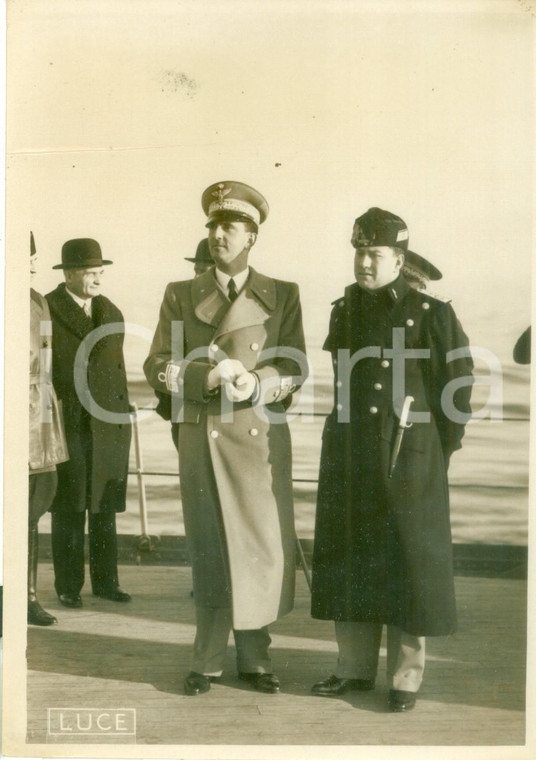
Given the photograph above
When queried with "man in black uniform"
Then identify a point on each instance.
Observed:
(383, 551)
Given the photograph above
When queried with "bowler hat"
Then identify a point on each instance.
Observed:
(377, 227)
(234, 201)
(202, 254)
(81, 253)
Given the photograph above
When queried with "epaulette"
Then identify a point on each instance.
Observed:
(436, 296)
(337, 301)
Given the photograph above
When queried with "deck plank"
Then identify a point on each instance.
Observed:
(108, 655)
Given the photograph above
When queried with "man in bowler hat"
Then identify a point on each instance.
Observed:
(231, 370)
(382, 549)
(92, 387)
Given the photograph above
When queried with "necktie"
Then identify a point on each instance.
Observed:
(233, 294)
(87, 309)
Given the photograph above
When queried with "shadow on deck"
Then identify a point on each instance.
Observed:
(108, 655)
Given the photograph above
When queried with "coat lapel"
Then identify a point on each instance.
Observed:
(66, 311)
(208, 301)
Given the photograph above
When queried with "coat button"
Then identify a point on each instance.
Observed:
(254, 432)
(214, 348)
(339, 383)
(254, 346)
(339, 407)
(373, 410)
(214, 434)
(410, 322)
(384, 363)
(426, 306)
(378, 386)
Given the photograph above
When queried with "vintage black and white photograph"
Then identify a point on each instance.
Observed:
(279, 265)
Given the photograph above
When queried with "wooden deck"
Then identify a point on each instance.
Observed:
(107, 655)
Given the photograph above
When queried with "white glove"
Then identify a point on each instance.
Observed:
(242, 388)
(225, 372)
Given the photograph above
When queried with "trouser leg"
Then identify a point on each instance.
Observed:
(33, 555)
(252, 651)
(211, 638)
(103, 552)
(405, 660)
(359, 648)
(68, 551)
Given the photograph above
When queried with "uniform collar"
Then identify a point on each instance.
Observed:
(210, 304)
(395, 291)
(224, 279)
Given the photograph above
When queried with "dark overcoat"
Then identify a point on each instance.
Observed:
(382, 550)
(236, 475)
(95, 477)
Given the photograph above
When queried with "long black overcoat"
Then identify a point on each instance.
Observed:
(383, 550)
(95, 477)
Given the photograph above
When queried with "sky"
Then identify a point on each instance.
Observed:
(121, 113)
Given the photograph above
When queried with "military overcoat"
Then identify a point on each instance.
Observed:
(95, 477)
(382, 549)
(235, 474)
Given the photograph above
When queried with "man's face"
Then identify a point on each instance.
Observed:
(84, 283)
(376, 266)
(229, 244)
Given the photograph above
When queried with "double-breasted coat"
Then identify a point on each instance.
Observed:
(48, 446)
(236, 475)
(95, 477)
(382, 549)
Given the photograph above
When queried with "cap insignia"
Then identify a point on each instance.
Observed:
(220, 193)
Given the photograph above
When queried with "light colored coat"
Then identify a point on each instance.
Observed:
(47, 438)
(236, 477)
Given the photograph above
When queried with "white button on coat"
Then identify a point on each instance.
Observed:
(378, 386)
(254, 346)
(410, 322)
(385, 363)
(373, 410)
(254, 432)
(214, 434)
(426, 306)
(214, 348)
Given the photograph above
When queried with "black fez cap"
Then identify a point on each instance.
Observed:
(377, 227)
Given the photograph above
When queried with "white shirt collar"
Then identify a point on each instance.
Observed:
(80, 301)
(223, 279)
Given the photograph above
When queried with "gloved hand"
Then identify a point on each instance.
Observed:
(225, 372)
(242, 388)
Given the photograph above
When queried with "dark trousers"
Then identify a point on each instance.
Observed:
(68, 551)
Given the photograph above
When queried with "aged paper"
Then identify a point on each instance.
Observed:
(119, 114)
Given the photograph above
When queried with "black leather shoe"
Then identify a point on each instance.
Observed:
(38, 616)
(333, 686)
(196, 683)
(265, 682)
(114, 595)
(401, 701)
(70, 600)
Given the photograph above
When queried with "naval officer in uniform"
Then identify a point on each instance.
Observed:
(229, 348)
(382, 550)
